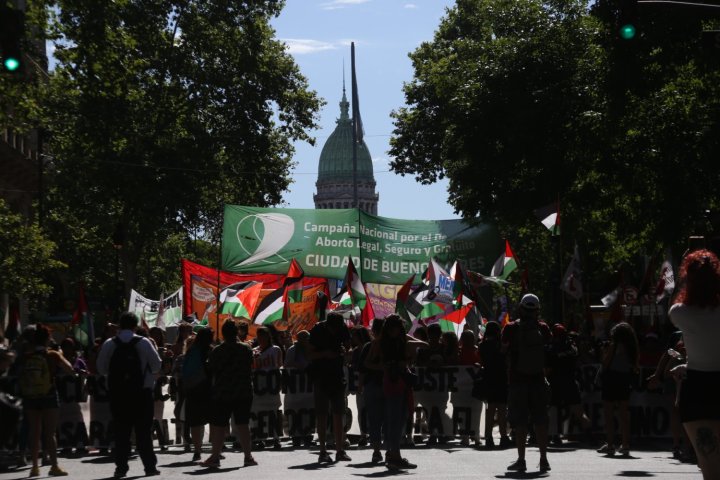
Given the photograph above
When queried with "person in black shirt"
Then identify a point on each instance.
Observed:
(565, 392)
(329, 341)
(492, 358)
(371, 381)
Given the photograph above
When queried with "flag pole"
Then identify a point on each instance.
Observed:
(354, 123)
(219, 269)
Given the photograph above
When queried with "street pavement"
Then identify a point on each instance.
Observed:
(450, 461)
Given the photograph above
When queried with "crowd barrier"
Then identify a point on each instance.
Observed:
(283, 406)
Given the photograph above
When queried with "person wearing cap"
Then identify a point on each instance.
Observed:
(527, 339)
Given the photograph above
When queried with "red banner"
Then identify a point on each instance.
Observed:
(200, 288)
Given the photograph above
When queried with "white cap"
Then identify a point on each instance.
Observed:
(530, 302)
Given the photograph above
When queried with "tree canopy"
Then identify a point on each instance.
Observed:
(159, 113)
(27, 258)
(521, 102)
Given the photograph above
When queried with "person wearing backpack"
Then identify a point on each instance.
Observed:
(527, 339)
(130, 363)
(36, 382)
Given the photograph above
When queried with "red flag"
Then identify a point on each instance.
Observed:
(459, 315)
(81, 310)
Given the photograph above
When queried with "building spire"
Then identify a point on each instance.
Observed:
(344, 104)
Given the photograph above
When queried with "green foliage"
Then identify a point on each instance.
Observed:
(519, 102)
(27, 257)
(160, 113)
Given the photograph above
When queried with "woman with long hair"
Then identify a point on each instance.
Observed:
(39, 366)
(393, 354)
(696, 312)
(620, 362)
(268, 356)
(493, 361)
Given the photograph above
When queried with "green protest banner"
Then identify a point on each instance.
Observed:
(384, 250)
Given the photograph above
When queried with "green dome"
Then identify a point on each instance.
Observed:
(336, 159)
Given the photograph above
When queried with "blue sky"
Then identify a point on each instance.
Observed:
(318, 34)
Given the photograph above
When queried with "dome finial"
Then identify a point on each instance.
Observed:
(344, 104)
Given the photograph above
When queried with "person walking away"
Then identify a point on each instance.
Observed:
(662, 378)
(394, 353)
(562, 361)
(38, 367)
(131, 364)
(195, 383)
(230, 367)
(328, 342)
(696, 312)
(72, 409)
(359, 337)
(620, 362)
(297, 357)
(269, 357)
(527, 338)
(495, 376)
(371, 389)
(470, 356)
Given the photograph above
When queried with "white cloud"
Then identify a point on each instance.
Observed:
(303, 46)
(336, 4)
(410, 5)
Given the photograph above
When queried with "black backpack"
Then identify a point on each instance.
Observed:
(125, 374)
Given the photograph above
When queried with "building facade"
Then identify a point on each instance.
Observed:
(335, 186)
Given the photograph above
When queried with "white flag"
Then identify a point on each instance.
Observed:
(572, 281)
(666, 282)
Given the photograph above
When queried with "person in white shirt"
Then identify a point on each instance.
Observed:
(696, 312)
(131, 364)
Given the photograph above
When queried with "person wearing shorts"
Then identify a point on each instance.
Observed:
(697, 313)
(527, 339)
(231, 393)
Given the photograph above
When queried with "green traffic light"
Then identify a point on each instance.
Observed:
(12, 64)
(627, 32)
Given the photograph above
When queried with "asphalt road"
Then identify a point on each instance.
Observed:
(439, 462)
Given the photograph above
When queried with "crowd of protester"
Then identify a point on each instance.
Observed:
(527, 366)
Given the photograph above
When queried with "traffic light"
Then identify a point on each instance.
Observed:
(628, 19)
(12, 29)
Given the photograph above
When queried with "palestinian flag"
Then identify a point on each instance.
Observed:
(401, 301)
(294, 290)
(355, 294)
(272, 307)
(82, 322)
(354, 286)
(505, 264)
(478, 280)
(550, 217)
(455, 321)
(463, 290)
(240, 299)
